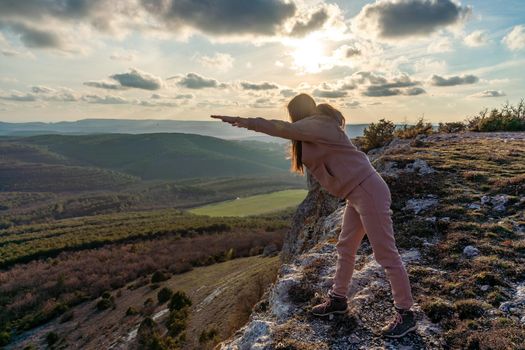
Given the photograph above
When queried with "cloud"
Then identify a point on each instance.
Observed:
(515, 39)
(183, 96)
(352, 51)
(123, 56)
(414, 91)
(61, 96)
(155, 103)
(104, 85)
(375, 85)
(220, 61)
(437, 80)
(42, 89)
(429, 65)
(227, 17)
(138, 79)
(263, 102)
(33, 37)
(352, 104)
(288, 92)
(107, 99)
(489, 93)
(440, 45)
(196, 81)
(42, 93)
(329, 93)
(400, 19)
(246, 85)
(133, 79)
(316, 21)
(18, 97)
(477, 38)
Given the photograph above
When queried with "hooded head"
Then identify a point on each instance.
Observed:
(302, 106)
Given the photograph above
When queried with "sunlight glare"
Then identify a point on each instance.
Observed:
(309, 54)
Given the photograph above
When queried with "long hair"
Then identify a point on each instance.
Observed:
(302, 106)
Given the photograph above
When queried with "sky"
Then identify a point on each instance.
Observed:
(400, 60)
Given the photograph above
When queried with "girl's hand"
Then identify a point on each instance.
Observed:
(235, 121)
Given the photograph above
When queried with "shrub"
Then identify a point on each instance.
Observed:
(378, 134)
(164, 295)
(104, 304)
(469, 308)
(177, 321)
(68, 316)
(131, 311)
(5, 338)
(508, 118)
(451, 127)
(179, 300)
(437, 310)
(51, 338)
(420, 128)
(149, 336)
(149, 307)
(207, 335)
(158, 276)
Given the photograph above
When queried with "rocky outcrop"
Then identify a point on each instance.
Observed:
(281, 319)
(304, 232)
(428, 199)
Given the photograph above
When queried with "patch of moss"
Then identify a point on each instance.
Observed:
(437, 309)
(470, 308)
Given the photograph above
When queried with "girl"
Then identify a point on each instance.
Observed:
(320, 143)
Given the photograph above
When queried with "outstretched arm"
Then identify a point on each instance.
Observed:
(307, 129)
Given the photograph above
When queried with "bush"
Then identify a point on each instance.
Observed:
(149, 336)
(68, 316)
(164, 295)
(5, 338)
(377, 135)
(508, 118)
(206, 336)
(420, 128)
(469, 308)
(451, 127)
(158, 276)
(437, 310)
(51, 338)
(131, 311)
(179, 300)
(104, 304)
(177, 321)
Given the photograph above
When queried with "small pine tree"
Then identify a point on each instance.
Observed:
(179, 300)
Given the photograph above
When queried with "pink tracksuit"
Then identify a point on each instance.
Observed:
(346, 172)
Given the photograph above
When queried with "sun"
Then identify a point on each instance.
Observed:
(309, 54)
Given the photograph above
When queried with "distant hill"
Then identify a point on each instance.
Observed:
(165, 156)
(146, 126)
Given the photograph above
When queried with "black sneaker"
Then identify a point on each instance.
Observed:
(404, 321)
(333, 304)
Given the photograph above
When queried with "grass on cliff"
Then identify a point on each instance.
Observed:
(456, 291)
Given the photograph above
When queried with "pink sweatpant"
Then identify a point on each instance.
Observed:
(368, 211)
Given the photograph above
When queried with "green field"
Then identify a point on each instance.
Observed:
(253, 205)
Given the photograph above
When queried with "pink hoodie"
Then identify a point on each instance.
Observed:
(327, 151)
